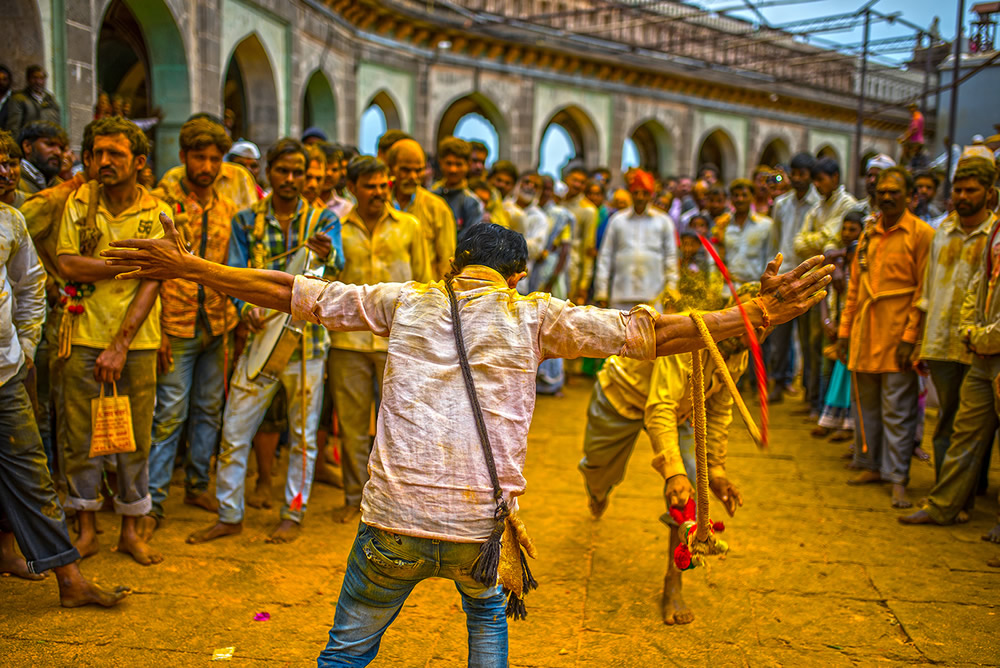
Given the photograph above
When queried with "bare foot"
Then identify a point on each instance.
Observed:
(329, 475)
(261, 495)
(203, 500)
(87, 545)
(865, 478)
(994, 563)
(131, 543)
(76, 591)
(994, 535)
(597, 508)
(842, 435)
(919, 517)
(899, 498)
(285, 532)
(672, 605)
(346, 514)
(819, 432)
(217, 530)
(147, 526)
(12, 563)
(962, 517)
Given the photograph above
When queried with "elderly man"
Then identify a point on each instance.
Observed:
(406, 164)
(425, 511)
(638, 257)
(873, 168)
(879, 328)
(975, 420)
(247, 154)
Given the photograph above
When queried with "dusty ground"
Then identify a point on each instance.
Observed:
(819, 574)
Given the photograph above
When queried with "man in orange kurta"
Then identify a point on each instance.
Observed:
(879, 329)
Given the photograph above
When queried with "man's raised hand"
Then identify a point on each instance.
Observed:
(789, 295)
(153, 259)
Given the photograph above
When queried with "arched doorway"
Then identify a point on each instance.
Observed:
(141, 57)
(250, 94)
(380, 115)
(474, 117)
(569, 134)
(719, 149)
(318, 106)
(21, 32)
(827, 151)
(651, 146)
(775, 152)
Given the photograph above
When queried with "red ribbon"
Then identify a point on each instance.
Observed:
(758, 359)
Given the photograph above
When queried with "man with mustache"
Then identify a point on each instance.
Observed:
(265, 236)
(879, 328)
(113, 332)
(42, 145)
(197, 323)
(406, 161)
(381, 244)
(972, 326)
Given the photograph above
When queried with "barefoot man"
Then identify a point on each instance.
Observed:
(428, 506)
(634, 395)
(262, 237)
(29, 508)
(115, 337)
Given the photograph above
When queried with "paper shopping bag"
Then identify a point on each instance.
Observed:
(111, 424)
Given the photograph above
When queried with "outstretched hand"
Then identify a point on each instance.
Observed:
(789, 295)
(153, 259)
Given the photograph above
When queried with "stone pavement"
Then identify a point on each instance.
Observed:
(819, 574)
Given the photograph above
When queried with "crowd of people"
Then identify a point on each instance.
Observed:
(214, 368)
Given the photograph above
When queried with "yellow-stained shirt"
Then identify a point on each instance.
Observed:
(438, 224)
(43, 214)
(659, 393)
(584, 248)
(234, 181)
(105, 308)
(206, 232)
(394, 252)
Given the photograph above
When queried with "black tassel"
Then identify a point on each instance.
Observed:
(484, 570)
(515, 607)
(529, 581)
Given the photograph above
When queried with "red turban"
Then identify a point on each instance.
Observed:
(638, 178)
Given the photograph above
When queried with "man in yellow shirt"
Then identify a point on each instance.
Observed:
(113, 331)
(407, 162)
(634, 395)
(584, 251)
(381, 244)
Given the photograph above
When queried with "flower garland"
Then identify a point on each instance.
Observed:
(73, 294)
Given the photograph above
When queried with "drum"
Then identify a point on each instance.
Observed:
(272, 347)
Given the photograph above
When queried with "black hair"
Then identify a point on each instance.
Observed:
(902, 173)
(41, 130)
(574, 168)
(114, 125)
(390, 137)
(803, 161)
(855, 216)
(710, 167)
(31, 70)
(493, 246)
(504, 167)
(364, 165)
(332, 152)
(927, 174)
(207, 116)
(475, 145)
(286, 146)
(88, 138)
(826, 166)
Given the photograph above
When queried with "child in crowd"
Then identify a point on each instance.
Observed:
(836, 420)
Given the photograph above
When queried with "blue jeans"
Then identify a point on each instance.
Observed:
(194, 386)
(382, 570)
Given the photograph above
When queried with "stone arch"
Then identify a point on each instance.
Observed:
(717, 146)
(655, 146)
(475, 103)
(775, 151)
(141, 53)
(582, 132)
(828, 151)
(22, 35)
(319, 106)
(250, 78)
(390, 109)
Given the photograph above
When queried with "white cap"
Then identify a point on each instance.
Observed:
(978, 139)
(880, 161)
(245, 149)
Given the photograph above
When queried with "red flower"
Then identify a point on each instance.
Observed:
(71, 291)
(75, 309)
(682, 557)
(63, 301)
(718, 526)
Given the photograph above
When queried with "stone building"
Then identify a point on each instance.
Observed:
(684, 85)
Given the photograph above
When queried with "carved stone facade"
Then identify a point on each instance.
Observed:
(307, 62)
